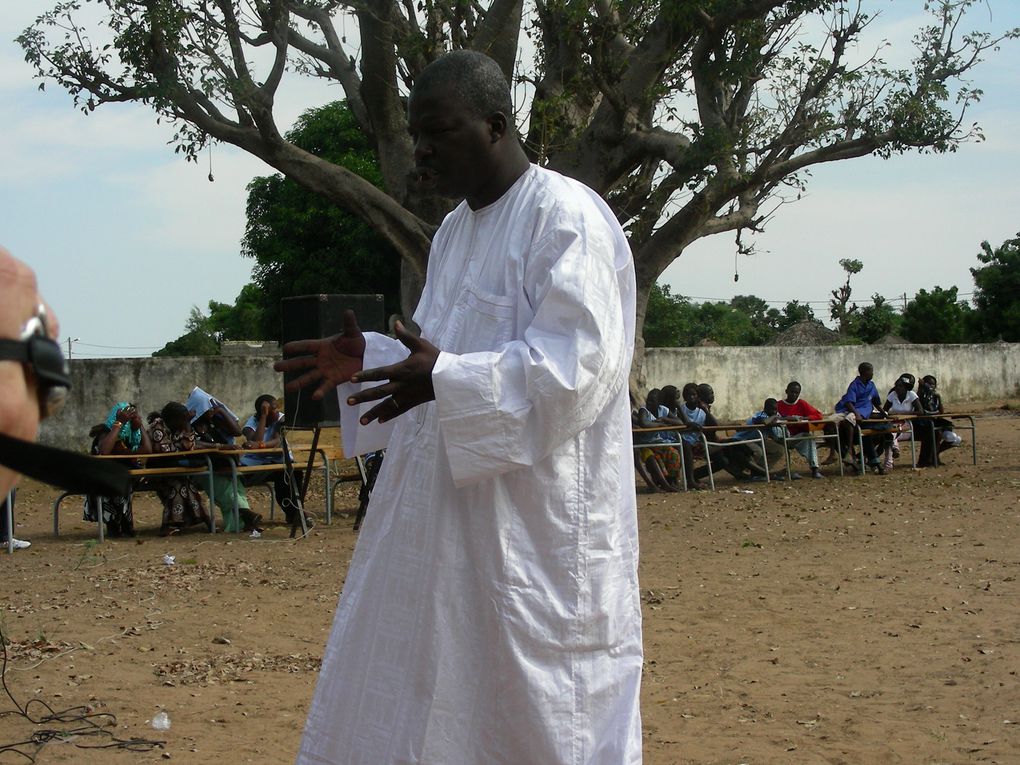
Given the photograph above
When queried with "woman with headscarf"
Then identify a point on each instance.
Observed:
(123, 432)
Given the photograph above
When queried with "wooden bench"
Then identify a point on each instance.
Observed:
(734, 427)
(706, 444)
(811, 433)
(302, 457)
(910, 419)
(140, 474)
(228, 460)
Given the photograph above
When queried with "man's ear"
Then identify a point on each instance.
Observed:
(497, 126)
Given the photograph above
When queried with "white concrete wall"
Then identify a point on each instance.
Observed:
(744, 377)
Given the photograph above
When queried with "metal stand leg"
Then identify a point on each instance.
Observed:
(9, 511)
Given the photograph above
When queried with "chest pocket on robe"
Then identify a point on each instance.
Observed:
(486, 321)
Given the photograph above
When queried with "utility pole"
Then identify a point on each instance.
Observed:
(69, 341)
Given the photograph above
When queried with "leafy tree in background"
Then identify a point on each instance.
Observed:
(198, 338)
(875, 321)
(303, 244)
(718, 322)
(673, 321)
(764, 321)
(997, 291)
(667, 318)
(241, 321)
(937, 317)
(841, 310)
(794, 312)
(690, 118)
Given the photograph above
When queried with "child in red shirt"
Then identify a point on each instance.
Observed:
(793, 407)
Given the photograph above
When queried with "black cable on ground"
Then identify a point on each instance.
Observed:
(74, 723)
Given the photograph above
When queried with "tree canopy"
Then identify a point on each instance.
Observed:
(303, 244)
(875, 321)
(937, 317)
(672, 320)
(997, 291)
(691, 118)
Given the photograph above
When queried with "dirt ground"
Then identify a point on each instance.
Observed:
(854, 620)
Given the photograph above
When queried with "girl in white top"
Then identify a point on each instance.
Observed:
(902, 399)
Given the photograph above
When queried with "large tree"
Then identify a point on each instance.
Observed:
(997, 291)
(691, 118)
(937, 317)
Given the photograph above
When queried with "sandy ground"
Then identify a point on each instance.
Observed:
(855, 620)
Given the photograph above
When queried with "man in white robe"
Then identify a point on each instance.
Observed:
(491, 613)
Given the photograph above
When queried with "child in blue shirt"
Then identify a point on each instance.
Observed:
(860, 402)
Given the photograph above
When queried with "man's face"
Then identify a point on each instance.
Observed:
(866, 373)
(453, 147)
(690, 398)
(792, 392)
(19, 397)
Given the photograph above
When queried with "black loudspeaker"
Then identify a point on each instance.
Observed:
(314, 316)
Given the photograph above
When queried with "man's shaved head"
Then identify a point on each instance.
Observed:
(474, 77)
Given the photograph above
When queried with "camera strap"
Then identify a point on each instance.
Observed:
(66, 470)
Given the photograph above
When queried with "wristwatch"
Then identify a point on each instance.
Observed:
(36, 348)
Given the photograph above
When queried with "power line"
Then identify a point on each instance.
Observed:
(120, 347)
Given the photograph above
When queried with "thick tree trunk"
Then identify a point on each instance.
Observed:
(638, 381)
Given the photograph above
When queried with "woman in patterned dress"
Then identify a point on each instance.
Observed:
(170, 431)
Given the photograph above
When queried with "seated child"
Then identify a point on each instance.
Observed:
(170, 431)
(737, 460)
(695, 416)
(901, 400)
(793, 409)
(662, 465)
(773, 436)
(943, 436)
(216, 427)
(861, 402)
(123, 432)
(670, 413)
(262, 431)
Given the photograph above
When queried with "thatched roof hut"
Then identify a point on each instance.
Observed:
(807, 332)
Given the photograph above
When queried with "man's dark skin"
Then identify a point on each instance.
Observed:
(458, 154)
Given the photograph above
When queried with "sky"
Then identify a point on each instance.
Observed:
(126, 237)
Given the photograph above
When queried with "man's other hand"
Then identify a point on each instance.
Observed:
(409, 382)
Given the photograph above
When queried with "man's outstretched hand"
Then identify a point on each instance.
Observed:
(329, 361)
(409, 381)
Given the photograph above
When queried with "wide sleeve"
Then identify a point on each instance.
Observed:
(508, 408)
(380, 351)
